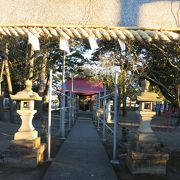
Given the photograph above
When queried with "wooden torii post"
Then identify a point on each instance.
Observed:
(5, 69)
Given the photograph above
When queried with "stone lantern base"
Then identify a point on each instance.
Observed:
(144, 156)
(25, 153)
(26, 135)
(145, 142)
(147, 163)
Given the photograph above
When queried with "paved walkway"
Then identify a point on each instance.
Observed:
(81, 157)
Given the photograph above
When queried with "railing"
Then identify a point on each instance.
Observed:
(105, 125)
(71, 109)
(108, 127)
(71, 118)
(103, 120)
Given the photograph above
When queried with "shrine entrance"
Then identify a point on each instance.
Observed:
(64, 34)
(46, 21)
(85, 102)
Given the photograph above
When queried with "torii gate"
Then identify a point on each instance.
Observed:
(144, 20)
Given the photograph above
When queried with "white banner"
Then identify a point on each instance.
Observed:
(34, 41)
(122, 45)
(93, 43)
(64, 45)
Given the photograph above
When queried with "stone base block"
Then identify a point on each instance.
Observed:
(24, 153)
(145, 142)
(147, 163)
(146, 147)
(21, 135)
(146, 137)
(35, 143)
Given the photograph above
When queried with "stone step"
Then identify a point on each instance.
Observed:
(26, 158)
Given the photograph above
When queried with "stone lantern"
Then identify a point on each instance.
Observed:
(26, 112)
(145, 135)
(144, 156)
(26, 149)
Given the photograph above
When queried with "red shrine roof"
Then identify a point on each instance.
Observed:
(84, 86)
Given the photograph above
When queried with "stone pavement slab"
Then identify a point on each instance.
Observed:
(81, 157)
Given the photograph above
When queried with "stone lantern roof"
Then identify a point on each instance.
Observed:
(147, 96)
(27, 93)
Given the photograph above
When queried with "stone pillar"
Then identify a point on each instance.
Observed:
(26, 131)
(109, 104)
(145, 136)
